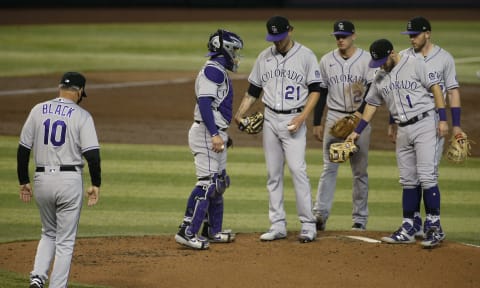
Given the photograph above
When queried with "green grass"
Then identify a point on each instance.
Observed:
(46, 49)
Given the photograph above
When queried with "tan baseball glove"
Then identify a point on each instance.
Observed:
(344, 126)
(341, 152)
(252, 124)
(459, 148)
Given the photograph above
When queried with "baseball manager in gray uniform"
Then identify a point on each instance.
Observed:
(345, 79)
(60, 132)
(403, 83)
(287, 73)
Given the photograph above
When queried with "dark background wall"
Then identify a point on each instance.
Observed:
(244, 3)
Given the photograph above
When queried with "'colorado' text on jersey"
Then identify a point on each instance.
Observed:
(285, 79)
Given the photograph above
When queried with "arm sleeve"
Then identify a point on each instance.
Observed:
(204, 105)
(93, 159)
(23, 157)
(318, 110)
(254, 91)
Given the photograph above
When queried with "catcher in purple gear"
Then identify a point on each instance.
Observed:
(208, 140)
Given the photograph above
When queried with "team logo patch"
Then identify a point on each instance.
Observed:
(317, 74)
(431, 76)
(274, 29)
(341, 26)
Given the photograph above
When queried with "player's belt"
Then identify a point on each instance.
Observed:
(221, 129)
(413, 120)
(62, 169)
(292, 111)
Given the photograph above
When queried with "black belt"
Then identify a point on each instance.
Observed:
(62, 169)
(292, 111)
(221, 129)
(346, 112)
(413, 120)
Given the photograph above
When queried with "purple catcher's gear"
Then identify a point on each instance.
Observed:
(228, 44)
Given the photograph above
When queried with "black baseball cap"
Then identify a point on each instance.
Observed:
(74, 80)
(417, 25)
(380, 50)
(277, 28)
(343, 27)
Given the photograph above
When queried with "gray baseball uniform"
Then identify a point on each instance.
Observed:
(404, 90)
(442, 64)
(285, 80)
(340, 76)
(59, 131)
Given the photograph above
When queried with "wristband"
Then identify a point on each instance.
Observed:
(456, 116)
(361, 125)
(442, 114)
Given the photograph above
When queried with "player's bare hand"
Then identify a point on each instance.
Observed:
(93, 193)
(392, 132)
(442, 128)
(457, 130)
(352, 137)
(26, 192)
(295, 123)
(318, 132)
(217, 144)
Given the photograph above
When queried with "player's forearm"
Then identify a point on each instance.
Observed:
(23, 157)
(246, 103)
(438, 96)
(311, 103)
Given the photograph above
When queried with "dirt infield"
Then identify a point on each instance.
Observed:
(161, 114)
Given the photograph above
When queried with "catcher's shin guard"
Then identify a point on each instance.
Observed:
(201, 207)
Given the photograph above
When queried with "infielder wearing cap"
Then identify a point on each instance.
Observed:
(443, 65)
(288, 75)
(403, 83)
(60, 132)
(345, 79)
(208, 138)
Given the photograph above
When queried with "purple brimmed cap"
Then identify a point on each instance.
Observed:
(343, 27)
(277, 27)
(417, 25)
(380, 50)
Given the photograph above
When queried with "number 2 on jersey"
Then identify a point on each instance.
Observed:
(290, 92)
(57, 126)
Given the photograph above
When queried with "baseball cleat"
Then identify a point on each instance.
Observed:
(433, 237)
(358, 227)
(186, 238)
(36, 282)
(321, 222)
(271, 235)
(404, 235)
(226, 236)
(307, 236)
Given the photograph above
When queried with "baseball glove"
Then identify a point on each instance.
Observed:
(459, 148)
(341, 152)
(252, 124)
(344, 126)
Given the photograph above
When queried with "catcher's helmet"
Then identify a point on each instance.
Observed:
(228, 44)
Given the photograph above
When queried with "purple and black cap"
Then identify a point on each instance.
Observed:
(417, 25)
(343, 27)
(75, 80)
(380, 50)
(277, 27)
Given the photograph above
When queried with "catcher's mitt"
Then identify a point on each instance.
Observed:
(252, 124)
(459, 148)
(341, 152)
(344, 126)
